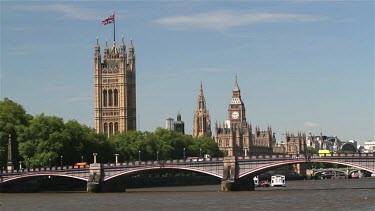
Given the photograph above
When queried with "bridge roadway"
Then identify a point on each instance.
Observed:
(232, 170)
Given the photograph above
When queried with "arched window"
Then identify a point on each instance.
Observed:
(115, 93)
(110, 98)
(116, 127)
(105, 98)
(106, 129)
(110, 128)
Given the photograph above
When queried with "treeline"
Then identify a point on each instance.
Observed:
(47, 140)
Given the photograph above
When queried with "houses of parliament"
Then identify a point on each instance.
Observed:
(115, 106)
(234, 136)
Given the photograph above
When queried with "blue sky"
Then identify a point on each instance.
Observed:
(301, 65)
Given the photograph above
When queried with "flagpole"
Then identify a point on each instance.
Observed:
(114, 27)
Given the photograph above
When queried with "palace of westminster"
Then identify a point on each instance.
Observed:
(115, 111)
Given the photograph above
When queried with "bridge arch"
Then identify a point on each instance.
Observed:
(41, 174)
(141, 169)
(270, 166)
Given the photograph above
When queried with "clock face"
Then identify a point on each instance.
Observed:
(235, 115)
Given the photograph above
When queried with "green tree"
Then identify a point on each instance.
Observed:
(43, 140)
(13, 120)
(312, 150)
(163, 144)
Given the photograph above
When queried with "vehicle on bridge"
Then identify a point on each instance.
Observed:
(324, 152)
(278, 180)
(80, 165)
(194, 159)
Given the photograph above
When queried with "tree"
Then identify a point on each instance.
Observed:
(162, 144)
(311, 150)
(46, 140)
(43, 140)
(13, 120)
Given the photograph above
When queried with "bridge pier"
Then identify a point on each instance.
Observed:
(94, 184)
(230, 175)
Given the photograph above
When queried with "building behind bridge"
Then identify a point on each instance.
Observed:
(235, 136)
(178, 126)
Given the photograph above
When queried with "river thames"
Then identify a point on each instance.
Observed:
(343, 194)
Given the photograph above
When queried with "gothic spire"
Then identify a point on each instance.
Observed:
(131, 43)
(97, 49)
(201, 100)
(122, 41)
(236, 88)
(202, 122)
(201, 91)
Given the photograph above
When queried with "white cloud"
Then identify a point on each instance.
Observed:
(224, 19)
(311, 124)
(67, 11)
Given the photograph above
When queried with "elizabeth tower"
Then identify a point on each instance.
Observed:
(115, 89)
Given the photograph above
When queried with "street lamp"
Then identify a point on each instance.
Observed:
(116, 158)
(20, 165)
(82, 158)
(28, 163)
(139, 155)
(61, 160)
(200, 153)
(49, 162)
(184, 153)
(157, 155)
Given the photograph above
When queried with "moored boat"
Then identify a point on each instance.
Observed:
(264, 183)
(355, 175)
(256, 181)
(278, 180)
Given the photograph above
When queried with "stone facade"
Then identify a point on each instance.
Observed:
(235, 137)
(115, 89)
(295, 144)
(202, 121)
(322, 142)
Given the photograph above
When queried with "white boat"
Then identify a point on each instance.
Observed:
(256, 181)
(278, 180)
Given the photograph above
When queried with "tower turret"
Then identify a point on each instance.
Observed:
(106, 50)
(97, 49)
(131, 56)
(97, 56)
(115, 90)
(123, 48)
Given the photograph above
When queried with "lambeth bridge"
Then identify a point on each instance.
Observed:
(236, 173)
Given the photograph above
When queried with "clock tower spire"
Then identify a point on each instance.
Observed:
(236, 110)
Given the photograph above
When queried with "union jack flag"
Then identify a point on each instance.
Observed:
(110, 19)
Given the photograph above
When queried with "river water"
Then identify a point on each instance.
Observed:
(343, 194)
